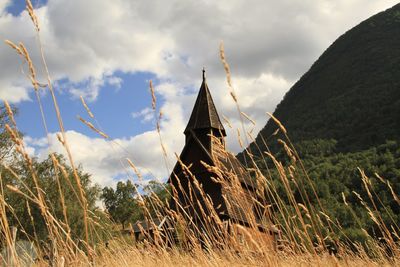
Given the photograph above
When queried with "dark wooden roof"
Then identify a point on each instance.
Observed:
(224, 160)
(204, 114)
(227, 162)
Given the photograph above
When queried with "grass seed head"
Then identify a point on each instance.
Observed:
(283, 129)
(14, 46)
(86, 107)
(32, 14)
(153, 95)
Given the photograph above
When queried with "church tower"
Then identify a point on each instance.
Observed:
(204, 121)
(195, 184)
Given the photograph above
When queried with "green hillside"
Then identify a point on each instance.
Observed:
(352, 92)
(342, 114)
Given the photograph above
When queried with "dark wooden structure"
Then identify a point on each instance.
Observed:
(224, 181)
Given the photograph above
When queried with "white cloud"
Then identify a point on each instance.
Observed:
(269, 44)
(146, 114)
(91, 39)
(106, 159)
(18, 94)
(89, 88)
(3, 5)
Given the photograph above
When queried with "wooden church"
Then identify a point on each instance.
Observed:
(208, 181)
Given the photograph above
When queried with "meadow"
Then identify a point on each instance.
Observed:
(61, 225)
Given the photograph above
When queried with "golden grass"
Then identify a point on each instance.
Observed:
(119, 255)
(305, 233)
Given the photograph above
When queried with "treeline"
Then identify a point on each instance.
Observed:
(59, 190)
(23, 179)
(337, 179)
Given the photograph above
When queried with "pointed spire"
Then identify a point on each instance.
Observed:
(204, 114)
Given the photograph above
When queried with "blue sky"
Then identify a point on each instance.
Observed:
(15, 7)
(114, 106)
(107, 51)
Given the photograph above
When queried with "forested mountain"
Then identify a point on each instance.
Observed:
(342, 114)
(352, 92)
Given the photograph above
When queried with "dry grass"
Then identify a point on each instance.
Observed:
(305, 228)
(132, 256)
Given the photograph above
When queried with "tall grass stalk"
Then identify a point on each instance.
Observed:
(304, 228)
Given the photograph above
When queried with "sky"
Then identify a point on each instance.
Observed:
(108, 51)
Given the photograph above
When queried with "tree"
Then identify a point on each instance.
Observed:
(59, 190)
(6, 143)
(122, 204)
(157, 195)
(60, 194)
(336, 179)
(161, 190)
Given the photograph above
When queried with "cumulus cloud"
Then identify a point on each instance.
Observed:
(106, 159)
(89, 88)
(90, 40)
(3, 5)
(269, 44)
(146, 114)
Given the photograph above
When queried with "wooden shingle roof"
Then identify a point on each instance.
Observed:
(204, 114)
(227, 162)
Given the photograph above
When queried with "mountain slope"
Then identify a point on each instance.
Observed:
(352, 92)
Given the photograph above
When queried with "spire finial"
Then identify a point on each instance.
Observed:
(204, 74)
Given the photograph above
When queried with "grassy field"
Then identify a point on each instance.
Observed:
(309, 236)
